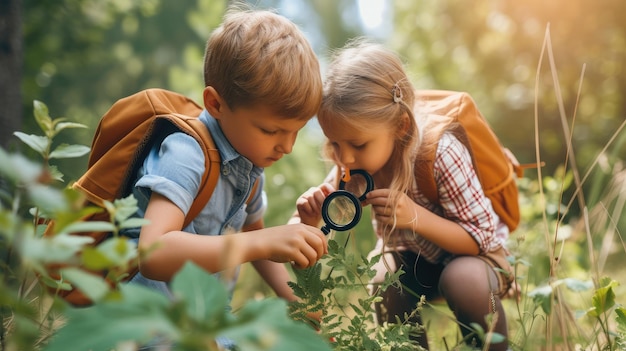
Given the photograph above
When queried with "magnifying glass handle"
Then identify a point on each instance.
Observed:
(325, 230)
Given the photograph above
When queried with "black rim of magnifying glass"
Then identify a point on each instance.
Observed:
(330, 224)
(368, 180)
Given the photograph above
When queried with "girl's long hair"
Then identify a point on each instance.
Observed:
(366, 85)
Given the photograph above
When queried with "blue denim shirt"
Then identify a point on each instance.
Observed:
(174, 169)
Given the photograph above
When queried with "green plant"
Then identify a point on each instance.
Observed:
(337, 287)
(34, 318)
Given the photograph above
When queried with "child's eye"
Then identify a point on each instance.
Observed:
(268, 132)
(359, 146)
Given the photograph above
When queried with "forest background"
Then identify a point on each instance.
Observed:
(79, 56)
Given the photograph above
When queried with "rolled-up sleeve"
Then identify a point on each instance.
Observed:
(461, 195)
(167, 173)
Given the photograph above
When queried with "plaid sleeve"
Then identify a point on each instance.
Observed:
(460, 194)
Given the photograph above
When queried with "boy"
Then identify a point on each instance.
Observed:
(262, 85)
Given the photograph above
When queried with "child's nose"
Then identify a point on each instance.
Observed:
(346, 157)
(285, 146)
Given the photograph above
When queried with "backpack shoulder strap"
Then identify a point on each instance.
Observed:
(196, 129)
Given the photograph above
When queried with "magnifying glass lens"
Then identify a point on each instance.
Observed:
(360, 183)
(357, 185)
(341, 211)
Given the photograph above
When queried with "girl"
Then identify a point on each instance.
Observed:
(370, 114)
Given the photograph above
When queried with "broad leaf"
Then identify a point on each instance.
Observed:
(60, 248)
(48, 199)
(36, 142)
(542, 296)
(264, 325)
(18, 168)
(64, 125)
(205, 295)
(140, 315)
(89, 226)
(603, 299)
(42, 116)
(91, 285)
(69, 151)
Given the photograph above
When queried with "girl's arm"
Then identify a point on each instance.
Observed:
(170, 247)
(467, 225)
(444, 233)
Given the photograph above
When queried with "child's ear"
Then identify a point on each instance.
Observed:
(213, 102)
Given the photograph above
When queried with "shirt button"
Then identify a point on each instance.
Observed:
(238, 192)
(225, 171)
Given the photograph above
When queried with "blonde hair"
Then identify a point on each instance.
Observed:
(366, 84)
(258, 57)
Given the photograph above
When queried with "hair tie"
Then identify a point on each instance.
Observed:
(397, 93)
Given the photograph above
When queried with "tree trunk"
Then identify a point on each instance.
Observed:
(10, 70)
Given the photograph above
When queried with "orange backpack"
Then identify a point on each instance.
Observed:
(494, 167)
(122, 140)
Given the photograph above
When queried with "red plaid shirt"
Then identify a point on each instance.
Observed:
(462, 200)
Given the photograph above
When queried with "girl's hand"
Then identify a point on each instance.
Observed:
(405, 210)
(309, 204)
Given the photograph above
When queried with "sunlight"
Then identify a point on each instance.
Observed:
(372, 12)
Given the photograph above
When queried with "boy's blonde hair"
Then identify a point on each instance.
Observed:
(366, 85)
(258, 57)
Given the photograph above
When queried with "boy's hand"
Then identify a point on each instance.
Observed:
(300, 244)
(309, 204)
(405, 210)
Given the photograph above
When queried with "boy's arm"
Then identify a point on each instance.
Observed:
(171, 248)
(275, 274)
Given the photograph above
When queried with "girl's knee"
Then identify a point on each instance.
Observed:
(468, 272)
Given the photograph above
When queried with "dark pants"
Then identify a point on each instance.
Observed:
(467, 283)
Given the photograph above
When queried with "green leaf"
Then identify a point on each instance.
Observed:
(542, 296)
(203, 293)
(18, 168)
(264, 325)
(69, 151)
(93, 286)
(578, 285)
(49, 199)
(60, 248)
(42, 117)
(64, 125)
(125, 208)
(96, 260)
(36, 142)
(72, 219)
(621, 319)
(118, 250)
(496, 338)
(55, 174)
(603, 299)
(134, 222)
(89, 226)
(139, 315)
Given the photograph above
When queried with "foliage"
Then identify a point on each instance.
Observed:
(123, 314)
(193, 321)
(341, 295)
(495, 55)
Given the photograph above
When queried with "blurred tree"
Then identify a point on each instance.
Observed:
(81, 56)
(492, 51)
(10, 69)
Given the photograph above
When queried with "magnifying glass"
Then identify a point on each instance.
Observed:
(342, 209)
(358, 182)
